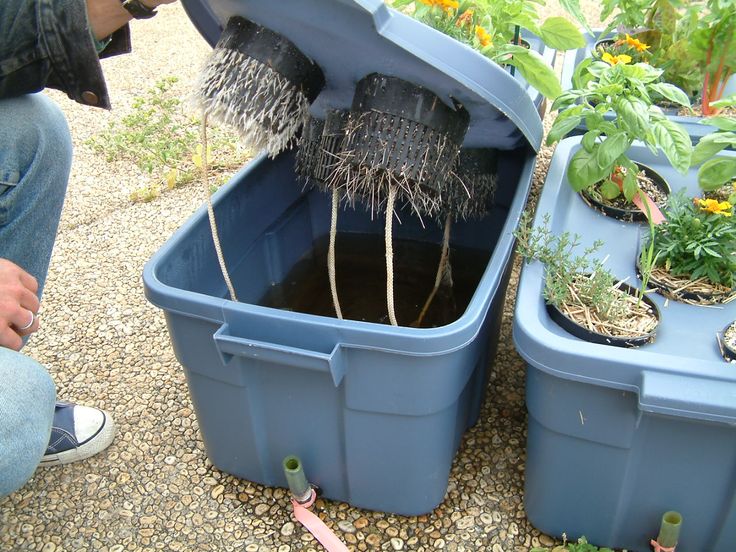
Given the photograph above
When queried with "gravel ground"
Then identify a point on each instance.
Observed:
(105, 345)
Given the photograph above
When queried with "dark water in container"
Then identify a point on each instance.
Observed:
(361, 281)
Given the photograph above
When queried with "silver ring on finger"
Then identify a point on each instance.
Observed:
(33, 319)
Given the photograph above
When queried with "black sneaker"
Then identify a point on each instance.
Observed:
(78, 432)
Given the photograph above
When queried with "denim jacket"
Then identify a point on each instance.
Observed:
(47, 43)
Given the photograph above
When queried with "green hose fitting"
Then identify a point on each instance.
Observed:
(669, 530)
(298, 485)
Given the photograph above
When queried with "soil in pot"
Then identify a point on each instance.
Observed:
(685, 290)
(361, 275)
(727, 342)
(724, 193)
(651, 182)
(636, 329)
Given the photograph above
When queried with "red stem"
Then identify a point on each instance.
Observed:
(705, 102)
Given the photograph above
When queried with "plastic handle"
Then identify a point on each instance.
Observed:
(232, 346)
(688, 397)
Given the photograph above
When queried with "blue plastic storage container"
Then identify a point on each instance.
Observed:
(375, 412)
(619, 436)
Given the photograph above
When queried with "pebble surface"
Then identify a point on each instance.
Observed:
(105, 345)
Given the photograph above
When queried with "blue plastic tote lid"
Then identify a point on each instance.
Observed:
(350, 39)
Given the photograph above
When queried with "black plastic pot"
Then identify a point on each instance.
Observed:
(668, 291)
(628, 214)
(602, 339)
(728, 352)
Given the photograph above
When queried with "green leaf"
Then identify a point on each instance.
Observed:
(561, 34)
(536, 71)
(609, 189)
(573, 8)
(589, 139)
(581, 76)
(583, 170)
(634, 114)
(594, 120)
(717, 172)
(611, 149)
(720, 122)
(671, 92)
(566, 121)
(565, 99)
(711, 144)
(641, 71)
(630, 186)
(675, 142)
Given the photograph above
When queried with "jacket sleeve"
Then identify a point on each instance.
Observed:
(47, 43)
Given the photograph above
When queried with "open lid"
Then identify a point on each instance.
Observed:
(349, 39)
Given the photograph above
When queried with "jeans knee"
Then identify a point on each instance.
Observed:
(35, 138)
(27, 400)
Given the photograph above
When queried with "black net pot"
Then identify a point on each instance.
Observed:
(401, 134)
(260, 83)
(308, 149)
(471, 190)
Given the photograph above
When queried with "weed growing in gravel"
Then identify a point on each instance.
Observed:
(581, 545)
(162, 142)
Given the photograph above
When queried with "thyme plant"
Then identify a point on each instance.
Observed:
(593, 285)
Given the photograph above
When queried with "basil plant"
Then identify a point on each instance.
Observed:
(615, 101)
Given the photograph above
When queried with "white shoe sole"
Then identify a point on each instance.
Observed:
(94, 445)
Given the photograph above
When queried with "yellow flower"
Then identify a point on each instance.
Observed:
(715, 206)
(613, 60)
(446, 5)
(636, 43)
(483, 36)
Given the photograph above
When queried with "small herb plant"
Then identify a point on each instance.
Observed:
(698, 240)
(580, 283)
(615, 85)
(163, 142)
(492, 28)
(581, 545)
(717, 172)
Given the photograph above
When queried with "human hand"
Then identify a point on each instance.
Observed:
(18, 305)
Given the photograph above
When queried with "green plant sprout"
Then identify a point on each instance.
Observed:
(492, 28)
(568, 274)
(163, 142)
(716, 172)
(581, 545)
(626, 90)
(698, 240)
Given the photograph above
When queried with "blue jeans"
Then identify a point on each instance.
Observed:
(35, 159)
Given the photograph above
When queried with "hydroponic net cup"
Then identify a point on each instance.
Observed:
(260, 83)
(399, 135)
